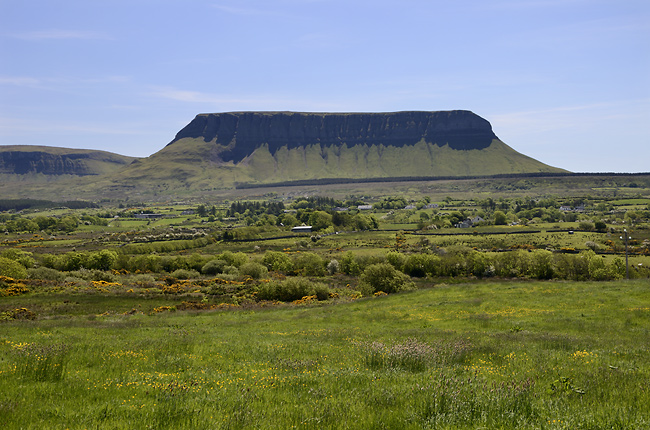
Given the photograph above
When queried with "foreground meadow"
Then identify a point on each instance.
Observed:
(534, 355)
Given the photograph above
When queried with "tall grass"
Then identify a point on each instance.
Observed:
(528, 355)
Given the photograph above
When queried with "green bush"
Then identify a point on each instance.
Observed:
(309, 264)
(142, 280)
(384, 277)
(292, 289)
(12, 269)
(184, 274)
(233, 258)
(23, 257)
(254, 270)
(45, 273)
(213, 267)
(421, 265)
(277, 261)
(396, 259)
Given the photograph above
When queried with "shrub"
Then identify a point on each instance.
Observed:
(396, 259)
(277, 261)
(349, 265)
(292, 289)
(541, 264)
(586, 226)
(184, 274)
(332, 266)
(254, 270)
(230, 270)
(143, 280)
(23, 257)
(309, 264)
(234, 258)
(12, 269)
(213, 267)
(421, 265)
(45, 273)
(384, 277)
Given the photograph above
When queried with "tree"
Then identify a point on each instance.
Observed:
(500, 218)
(320, 220)
(600, 226)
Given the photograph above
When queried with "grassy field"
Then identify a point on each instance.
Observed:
(533, 355)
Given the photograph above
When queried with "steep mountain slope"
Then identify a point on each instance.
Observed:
(222, 149)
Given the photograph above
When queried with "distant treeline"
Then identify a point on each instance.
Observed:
(20, 204)
(332, 181)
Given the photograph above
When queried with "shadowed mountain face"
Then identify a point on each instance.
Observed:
(23, 160)
(241, 133)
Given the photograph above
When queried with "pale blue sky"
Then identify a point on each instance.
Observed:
(564, 81)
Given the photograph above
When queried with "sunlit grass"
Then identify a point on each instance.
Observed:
(536, 354)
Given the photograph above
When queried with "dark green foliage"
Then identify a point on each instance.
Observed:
(255, 208)
(500, 218)
(20, 204)
(420, 265)
(213, 267)
(600, 226)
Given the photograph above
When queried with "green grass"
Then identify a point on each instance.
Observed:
(552, 355)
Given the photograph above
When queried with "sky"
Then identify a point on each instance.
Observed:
(564, 81)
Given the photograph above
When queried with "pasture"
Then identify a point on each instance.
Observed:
(215, 315)
(536, 354)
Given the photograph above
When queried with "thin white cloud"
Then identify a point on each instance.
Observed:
(221, 102)
(57, 34)
(19, 81)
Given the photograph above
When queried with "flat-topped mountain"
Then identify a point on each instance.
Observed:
(242, 133)
(222, 149)
(25, 160)
(219, 151)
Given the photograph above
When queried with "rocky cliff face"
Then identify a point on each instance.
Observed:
(58, 161)
(241, 133)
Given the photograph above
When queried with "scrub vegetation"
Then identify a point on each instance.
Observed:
(396, 311)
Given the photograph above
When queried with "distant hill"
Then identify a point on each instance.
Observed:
(224, 149)
(52, 161)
